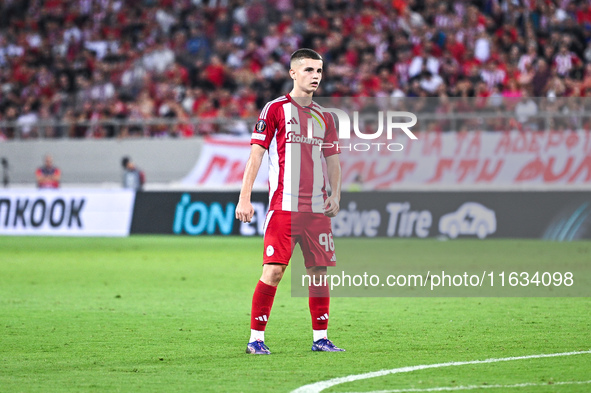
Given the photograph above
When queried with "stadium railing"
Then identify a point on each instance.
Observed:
(195, 126)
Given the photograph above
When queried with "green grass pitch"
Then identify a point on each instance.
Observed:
(171, 314)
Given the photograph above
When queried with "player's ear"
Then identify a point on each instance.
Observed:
(292, 73)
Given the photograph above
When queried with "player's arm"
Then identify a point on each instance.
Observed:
(244, 209)
(333, 168)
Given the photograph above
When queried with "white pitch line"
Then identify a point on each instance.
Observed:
(317, 387)
(473, 387)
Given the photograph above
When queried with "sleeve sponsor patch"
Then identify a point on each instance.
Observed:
(261, 126)
(260, 137)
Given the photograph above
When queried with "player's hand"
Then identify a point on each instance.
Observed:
(331, 206)
(244, 211)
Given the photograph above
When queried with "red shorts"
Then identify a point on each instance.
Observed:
(312, 231)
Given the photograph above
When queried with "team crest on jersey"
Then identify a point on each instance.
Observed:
(261, 126)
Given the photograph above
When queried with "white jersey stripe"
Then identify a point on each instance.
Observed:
(263, 114)
(273, 169)
(286, 199)
(294, 173)
(291, 175)
(265, 110)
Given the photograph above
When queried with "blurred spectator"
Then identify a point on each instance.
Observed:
(87, 61)
(525, 110)
(528, 58)
(541, 78)
(26, 122)
(133, 178)
(482, 47)
(5, 176)
(101, 90)
(424, 61)
(566, 61)
(511, 94)
(47, 127)
(48, 176)
(198, 45)
(430, 83)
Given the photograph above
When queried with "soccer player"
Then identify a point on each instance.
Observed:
(299, 207)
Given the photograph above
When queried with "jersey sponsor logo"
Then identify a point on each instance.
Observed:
(261, 126)
(292, 137)
(260, 137)
(270, 250)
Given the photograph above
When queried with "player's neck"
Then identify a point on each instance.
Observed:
(302, 98)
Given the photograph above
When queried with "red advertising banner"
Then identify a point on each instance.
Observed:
(512, 159)
(221, 164)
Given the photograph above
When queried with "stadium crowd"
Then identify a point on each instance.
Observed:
(82, 61)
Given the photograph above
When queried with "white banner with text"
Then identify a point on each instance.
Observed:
(66, 212)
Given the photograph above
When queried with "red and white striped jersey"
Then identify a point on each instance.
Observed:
(524, 61)
(565, 63)
(296, 178)
(401, 70)
(444, 21)
(493, 78)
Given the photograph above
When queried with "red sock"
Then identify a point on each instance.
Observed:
(262, 301)
(319, 302)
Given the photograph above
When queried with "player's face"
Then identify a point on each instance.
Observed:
(307, 74)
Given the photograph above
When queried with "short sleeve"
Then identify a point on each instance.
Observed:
(331, 137)
(264, 129)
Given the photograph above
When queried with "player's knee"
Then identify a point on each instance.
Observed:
(272, 274)
(316, 270)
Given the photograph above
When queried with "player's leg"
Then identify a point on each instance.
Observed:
(319, 301)
(318, 250)
(273, 273)
(276, 257)
(262, 300)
